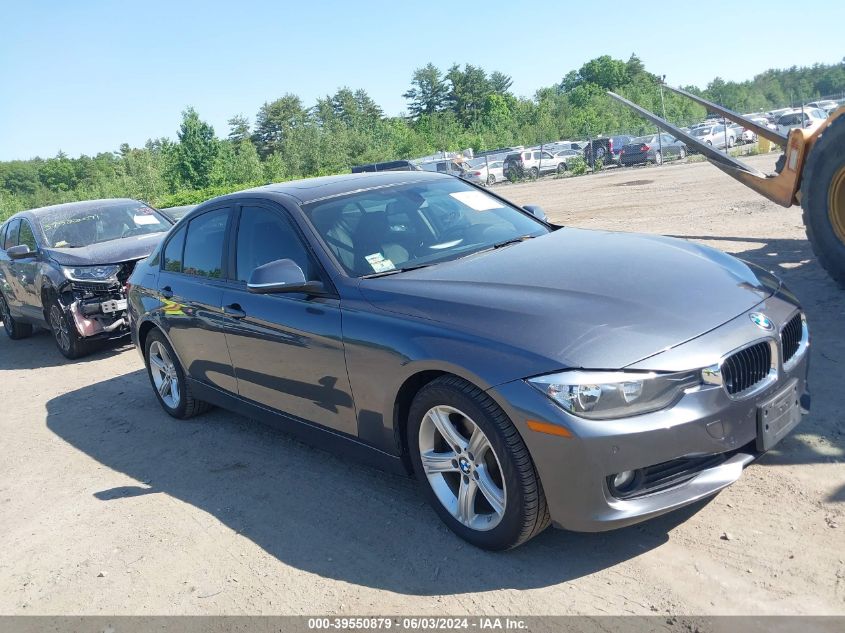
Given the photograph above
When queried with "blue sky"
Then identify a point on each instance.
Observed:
(86, 76)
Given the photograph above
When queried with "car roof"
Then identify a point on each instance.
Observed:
(313, 189)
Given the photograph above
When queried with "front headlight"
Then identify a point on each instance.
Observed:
(91, 273)
(606, 395)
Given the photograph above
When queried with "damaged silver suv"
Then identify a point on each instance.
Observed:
(65, 267)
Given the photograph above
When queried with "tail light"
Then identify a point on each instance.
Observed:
(476, 173)
(645, 148)
(610, 145)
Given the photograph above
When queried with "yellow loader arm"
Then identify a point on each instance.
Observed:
(783, 187)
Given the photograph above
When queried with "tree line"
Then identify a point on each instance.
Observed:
(455, 109)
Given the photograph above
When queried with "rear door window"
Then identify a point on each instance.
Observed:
(203, 255)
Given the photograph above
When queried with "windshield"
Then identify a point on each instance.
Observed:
(702, 131)
(644, 139)
(83, 227)
(404, 226)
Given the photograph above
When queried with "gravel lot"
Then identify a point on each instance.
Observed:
(109, 506)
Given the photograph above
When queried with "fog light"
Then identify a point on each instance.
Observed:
(623, 479)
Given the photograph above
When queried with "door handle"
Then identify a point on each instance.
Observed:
(234, 310)
(167, 292)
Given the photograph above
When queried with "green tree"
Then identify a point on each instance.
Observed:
(238, 128)
(429, 92)
(469, 90)
(500, 83)
(196, 150)
(275, 123)
(59, 173)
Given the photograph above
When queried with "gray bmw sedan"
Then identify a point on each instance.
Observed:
(524, 373)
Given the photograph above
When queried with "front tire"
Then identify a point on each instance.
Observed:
(535, 173)
(823, 199)
(491, 180)
(13, 328)
(68, 340)
(682, 154)
(561, 168)
(474, 467)
(167, 377)
(658, 158)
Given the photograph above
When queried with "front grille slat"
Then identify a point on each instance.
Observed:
(791, 337)
(746, 368)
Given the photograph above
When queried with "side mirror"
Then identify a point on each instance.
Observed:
(281, 275)
(537, 212)
(21, 251)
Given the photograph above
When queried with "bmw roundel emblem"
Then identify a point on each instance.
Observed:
(761, 321)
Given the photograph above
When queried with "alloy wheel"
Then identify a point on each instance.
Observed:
(462, 468)
(165, 376)
(60, 328)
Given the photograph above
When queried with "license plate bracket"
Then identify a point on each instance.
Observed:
(113, 305)
(778, 415)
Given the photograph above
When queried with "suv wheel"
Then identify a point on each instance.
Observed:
(14, 330)
(474, 466)
(534, 173)
(70, 344)
(561, 168)
(168, 379)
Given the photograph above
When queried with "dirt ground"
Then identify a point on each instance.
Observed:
(107, 505)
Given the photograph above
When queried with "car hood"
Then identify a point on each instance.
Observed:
(581, 298)
(111, 252)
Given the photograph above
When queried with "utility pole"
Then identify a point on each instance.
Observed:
(663, 107)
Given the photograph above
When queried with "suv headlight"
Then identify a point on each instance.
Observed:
(606, 395)
(91, 273)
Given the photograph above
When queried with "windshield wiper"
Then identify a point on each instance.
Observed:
(514, 240)
(384, 273)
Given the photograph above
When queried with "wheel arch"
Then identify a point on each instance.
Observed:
(408, 390)
(144, 328)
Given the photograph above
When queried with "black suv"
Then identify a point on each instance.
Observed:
(605, 149)
(65, 268)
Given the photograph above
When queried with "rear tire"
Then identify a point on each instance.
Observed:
(167, 378)
(561, 168)
(491, 180)
(658, 158)
(682, 154)
(14, 329)
(491, 470)
(823, 199)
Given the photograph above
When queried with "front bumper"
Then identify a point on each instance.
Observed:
(574, 470)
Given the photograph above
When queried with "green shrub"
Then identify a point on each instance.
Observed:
(197, 196)
(577, 166)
